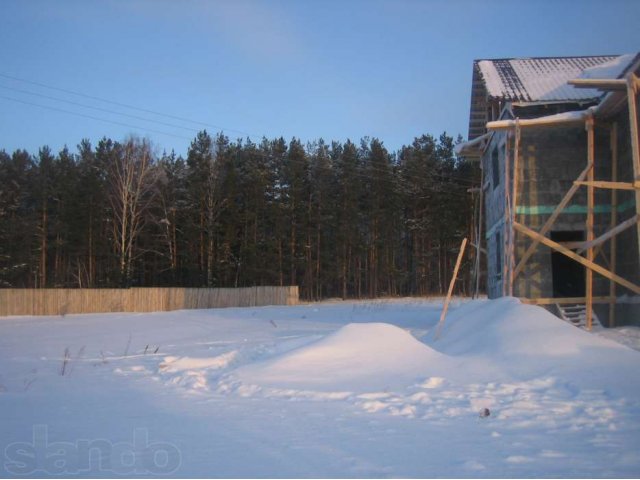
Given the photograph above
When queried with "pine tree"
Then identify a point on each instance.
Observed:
(171, 209)
(349, 191)
(43, 193)
(203, 186)
(295, 181)
(17, 219)
(322, 227)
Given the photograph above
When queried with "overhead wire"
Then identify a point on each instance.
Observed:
(91, 117)
(389, 177)
(106, 110)
(124, 105)
(395, 178)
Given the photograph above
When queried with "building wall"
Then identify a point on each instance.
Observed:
(494, 199)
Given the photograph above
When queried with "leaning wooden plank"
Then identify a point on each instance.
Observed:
(590, 265)
(549, 223)
(610, 234)
(451, 284)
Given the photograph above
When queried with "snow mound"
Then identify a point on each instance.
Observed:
(357, 357)
(503, 340)
(510, 328)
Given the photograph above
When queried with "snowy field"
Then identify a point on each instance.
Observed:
(348, 389)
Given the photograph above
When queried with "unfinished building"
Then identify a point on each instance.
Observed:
(557, 139)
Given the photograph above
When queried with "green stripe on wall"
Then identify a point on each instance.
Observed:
(575, 209)
(548, 210)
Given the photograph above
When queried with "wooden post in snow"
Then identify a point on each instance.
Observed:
(614, 220)
(589, 225)
(451, 284)
(512, 232)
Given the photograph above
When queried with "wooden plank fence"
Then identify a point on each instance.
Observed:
(61, 301)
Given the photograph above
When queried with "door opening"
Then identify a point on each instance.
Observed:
(567, 274)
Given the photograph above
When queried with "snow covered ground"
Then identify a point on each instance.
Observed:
(345, 389)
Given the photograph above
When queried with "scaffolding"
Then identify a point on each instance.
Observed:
(618, 90)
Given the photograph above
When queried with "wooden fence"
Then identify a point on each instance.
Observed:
(61, 301)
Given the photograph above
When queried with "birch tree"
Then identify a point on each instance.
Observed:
(132, 191)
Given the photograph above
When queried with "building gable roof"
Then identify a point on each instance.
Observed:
(540, 80)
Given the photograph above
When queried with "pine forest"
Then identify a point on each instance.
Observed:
(339, 220)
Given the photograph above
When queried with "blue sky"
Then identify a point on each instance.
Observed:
(310, 69)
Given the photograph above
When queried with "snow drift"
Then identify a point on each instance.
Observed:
(357, 357)
(503, 339)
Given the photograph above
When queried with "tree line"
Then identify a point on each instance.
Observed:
(339, 220)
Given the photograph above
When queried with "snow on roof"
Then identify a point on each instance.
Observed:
(541, 80)
(609, 70)
(544, 79)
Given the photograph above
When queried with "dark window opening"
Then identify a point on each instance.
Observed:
(495, 167)
(568, 275)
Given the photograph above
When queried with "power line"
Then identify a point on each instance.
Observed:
(402, 181)
(93, 118)
(124, 105)
(390, 177)
(136, 117)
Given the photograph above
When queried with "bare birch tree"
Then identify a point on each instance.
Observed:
(132, 191)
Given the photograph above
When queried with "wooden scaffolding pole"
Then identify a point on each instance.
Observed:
(508, 229)
(613, 142)
(632, 89)
(451, 285)
(590, 235)
(583, 261)
(611, 234)
(611, 185)
(549, 223)
(514, 205)
(600, 83)
(631, 84)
